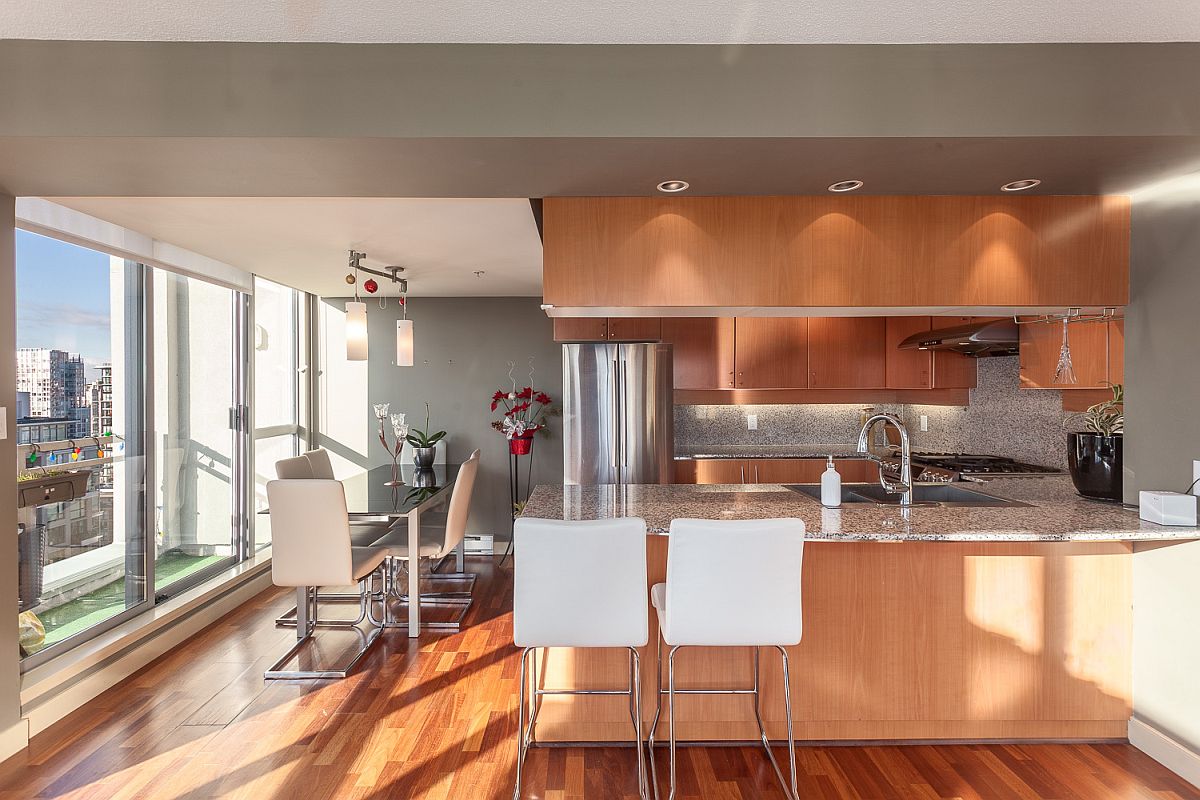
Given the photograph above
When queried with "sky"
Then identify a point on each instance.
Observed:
(63, 298)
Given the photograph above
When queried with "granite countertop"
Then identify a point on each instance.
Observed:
(770, 451)
(1054, 512)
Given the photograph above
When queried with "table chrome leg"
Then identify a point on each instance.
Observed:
(521, 741)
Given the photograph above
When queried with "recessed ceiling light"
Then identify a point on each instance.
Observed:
(673, 186)
(1020, 186)
(845, 186)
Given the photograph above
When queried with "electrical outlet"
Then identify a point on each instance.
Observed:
(752, 422)
(4, 424)
(924, 422)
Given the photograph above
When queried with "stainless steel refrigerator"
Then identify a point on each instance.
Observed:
(617, 413)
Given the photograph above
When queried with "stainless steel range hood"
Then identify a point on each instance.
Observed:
(991, 338)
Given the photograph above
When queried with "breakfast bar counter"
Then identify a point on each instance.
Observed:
(928, 623)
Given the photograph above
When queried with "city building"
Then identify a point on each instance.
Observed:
(99, 402)
(56, 383)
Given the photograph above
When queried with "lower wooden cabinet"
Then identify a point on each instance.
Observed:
(769, 470)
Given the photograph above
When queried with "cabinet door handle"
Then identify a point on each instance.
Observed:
(756, 473)
(743, 470)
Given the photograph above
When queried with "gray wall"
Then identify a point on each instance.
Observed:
(10, 677)
(1162, 380)
(462, 347)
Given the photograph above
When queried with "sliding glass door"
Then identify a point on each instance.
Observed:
(198, 408)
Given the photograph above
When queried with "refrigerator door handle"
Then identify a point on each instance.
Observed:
(624, 417)
(616, 416)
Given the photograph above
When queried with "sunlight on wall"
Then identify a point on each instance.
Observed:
(343, 405)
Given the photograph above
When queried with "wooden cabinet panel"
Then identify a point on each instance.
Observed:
(812, 251)
(580, 329)
(907, 369)
(711, 470)
(805, 470)
(954, 370)
(634, 329)
(1116, 351)
(1042, 343)
(770, 470)
(846, 352)
(703, 351)
(771, 352)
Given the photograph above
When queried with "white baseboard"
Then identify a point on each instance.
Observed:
(1181, 760)
(14, 740)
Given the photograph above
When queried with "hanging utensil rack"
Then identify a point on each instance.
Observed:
(1072, 316)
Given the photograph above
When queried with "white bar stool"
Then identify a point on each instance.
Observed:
(579, 584)
(730, 583)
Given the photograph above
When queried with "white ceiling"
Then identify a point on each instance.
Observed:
(613, 22)
(303, 242)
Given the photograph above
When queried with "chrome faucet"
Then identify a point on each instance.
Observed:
(905, 484)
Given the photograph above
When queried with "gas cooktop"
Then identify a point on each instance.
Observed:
(980, 466)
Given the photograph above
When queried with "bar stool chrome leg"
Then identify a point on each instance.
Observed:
(529, 703)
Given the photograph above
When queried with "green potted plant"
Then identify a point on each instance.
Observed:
(424, 443)
(1095, 454)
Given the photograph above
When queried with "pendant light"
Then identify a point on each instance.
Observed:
(356, 318)
(404, 332)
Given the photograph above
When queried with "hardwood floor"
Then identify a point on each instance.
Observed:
(435, 718)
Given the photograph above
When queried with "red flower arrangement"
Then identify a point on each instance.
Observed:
(524, 412)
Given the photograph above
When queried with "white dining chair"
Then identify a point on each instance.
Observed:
(362, 532)
(578, 584)
(293, 469)
(730, 583)
(436, 544)
(311, 547)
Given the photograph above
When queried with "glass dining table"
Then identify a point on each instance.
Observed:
(370, 498)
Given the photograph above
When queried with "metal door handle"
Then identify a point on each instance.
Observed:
(616, 415)
(756, 473)
(743, 469)
(624, 420)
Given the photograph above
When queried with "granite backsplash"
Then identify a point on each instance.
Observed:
(1000, 420)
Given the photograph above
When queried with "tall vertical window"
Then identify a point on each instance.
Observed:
(81, 519)
(195, 392)
(279, 388)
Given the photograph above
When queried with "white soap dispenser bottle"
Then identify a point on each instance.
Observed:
(831, 486)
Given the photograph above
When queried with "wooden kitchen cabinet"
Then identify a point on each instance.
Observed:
(1097, 354)
(607, 329)
(703, 351)
(770, 470)
(634, 329)
(771, 352)
(847, 352)
(954, 370)
(907, 369)
(580, 329)
(711, 470)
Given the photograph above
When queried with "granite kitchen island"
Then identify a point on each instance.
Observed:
(929, 623)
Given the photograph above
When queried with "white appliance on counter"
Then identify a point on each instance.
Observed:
(1167, 508)
(618, 406)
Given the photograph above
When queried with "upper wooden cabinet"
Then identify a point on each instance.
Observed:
(611, 329)
(953, 370)
(702, 351)
(846, 353)
(881, 251)
(1097, 354)
(771, 352)
(908, 369)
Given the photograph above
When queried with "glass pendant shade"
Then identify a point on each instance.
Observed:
(404, 343)
(356, 331)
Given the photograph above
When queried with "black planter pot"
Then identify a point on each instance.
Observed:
(1096, 465)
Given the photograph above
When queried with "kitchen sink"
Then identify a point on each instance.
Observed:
(925, 494)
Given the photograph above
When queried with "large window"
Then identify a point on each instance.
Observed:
(134, 432)
(81, 520)
(280, 406)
